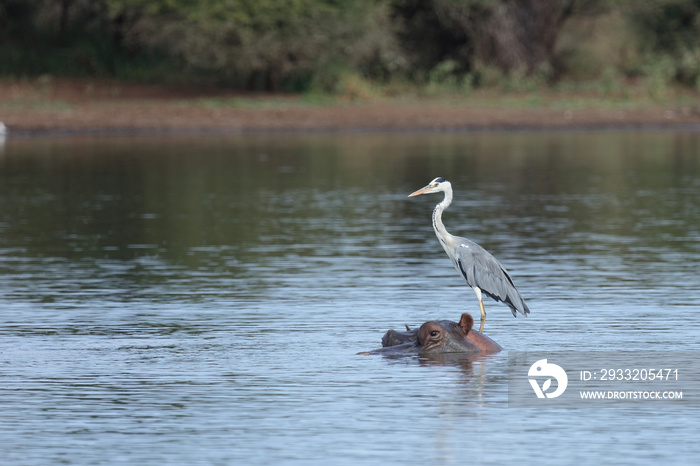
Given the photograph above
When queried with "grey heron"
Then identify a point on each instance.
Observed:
(479, 268)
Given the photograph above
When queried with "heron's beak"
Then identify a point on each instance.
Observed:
(423, 190)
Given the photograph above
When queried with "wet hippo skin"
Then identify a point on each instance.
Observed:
(437, 337)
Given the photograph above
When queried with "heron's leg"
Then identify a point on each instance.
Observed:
(477, 291)
(483, 316)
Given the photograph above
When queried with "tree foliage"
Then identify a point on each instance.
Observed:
(257, 43)
(302, 44)
(670, 29)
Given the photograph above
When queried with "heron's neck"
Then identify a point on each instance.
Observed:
(438, 226)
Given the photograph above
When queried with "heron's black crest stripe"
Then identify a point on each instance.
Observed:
(439, 179)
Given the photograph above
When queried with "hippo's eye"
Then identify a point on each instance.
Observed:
(434, 333)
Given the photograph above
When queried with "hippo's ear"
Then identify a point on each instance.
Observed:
(466, 322)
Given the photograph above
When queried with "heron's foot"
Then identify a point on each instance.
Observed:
(481, 326)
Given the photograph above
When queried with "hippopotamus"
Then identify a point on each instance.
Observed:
(438, 337)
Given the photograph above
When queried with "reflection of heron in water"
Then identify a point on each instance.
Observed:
(479, 268)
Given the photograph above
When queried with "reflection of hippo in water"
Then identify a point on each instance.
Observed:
(437, 337)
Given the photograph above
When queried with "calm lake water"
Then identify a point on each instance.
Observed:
(201, 300)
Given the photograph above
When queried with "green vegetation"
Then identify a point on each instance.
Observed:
(361, 48)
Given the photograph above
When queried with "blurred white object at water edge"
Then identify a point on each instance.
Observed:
(3, 135)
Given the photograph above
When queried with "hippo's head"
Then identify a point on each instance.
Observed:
(433, 337)
(445, 337)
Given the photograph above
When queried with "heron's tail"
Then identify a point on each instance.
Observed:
(517, 305)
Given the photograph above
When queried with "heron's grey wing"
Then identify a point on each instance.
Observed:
(482, 270)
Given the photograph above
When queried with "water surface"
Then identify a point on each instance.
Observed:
(202, 299)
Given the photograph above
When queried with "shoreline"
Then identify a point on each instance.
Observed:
(207, 131)
(68, 108)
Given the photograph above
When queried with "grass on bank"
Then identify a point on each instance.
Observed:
(51, 94)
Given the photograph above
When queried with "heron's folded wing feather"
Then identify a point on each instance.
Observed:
(482, 270)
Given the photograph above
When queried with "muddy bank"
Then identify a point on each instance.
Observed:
(84, 107)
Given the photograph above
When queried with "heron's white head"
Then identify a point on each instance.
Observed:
(438, 185)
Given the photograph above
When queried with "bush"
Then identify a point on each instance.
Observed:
(353, 47)
(669, 38)
(270, 44)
